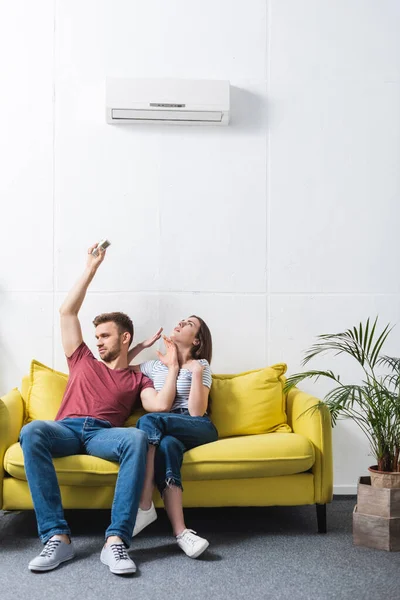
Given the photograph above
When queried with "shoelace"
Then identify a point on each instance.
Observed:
(188, 537)
(50, 547)
(119, 552)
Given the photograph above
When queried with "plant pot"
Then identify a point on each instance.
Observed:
(384, 479)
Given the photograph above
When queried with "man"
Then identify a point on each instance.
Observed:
(98, 399)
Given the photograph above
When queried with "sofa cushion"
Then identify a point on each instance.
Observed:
(80, 469)
(46, 390)
(242, 457)
(249, 403)
(235, 458)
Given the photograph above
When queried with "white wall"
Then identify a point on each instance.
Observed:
(280, 227)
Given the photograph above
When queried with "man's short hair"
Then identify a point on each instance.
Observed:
(122, 321)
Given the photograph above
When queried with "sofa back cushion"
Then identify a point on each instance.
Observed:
(249, 403)
(46, 390)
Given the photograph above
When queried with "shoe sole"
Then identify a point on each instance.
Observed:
(50, 568)
(199, 551)
(135, 532)
(119, 571)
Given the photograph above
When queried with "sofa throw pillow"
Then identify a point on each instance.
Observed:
(46, 390)
(249, 403)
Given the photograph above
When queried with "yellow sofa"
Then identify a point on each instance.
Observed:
(272, 450)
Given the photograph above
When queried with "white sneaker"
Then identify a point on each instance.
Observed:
(144, 518)
(53, 554)
(192, 544)
(117, 559)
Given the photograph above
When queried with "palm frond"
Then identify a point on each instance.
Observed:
(293, 380)
(378, 344)
(390, 361)
(356, 342)
(371, 337)
(391, 381)
(331, 343)
(356, 345)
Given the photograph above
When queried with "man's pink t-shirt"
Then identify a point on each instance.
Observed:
(94, 390)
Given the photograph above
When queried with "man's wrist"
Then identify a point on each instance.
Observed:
(91, 271)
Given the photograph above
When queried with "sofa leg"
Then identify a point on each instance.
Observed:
(321, 517)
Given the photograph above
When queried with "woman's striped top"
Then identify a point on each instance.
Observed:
(157, 372)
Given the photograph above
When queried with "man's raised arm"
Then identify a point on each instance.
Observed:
(71, 333)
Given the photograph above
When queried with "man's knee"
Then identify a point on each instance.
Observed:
(141, 436)
(136, 438)
(32, 431)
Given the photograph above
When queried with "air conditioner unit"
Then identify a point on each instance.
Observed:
(172, 101)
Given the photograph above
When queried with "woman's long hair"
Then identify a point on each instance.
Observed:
(204, 347)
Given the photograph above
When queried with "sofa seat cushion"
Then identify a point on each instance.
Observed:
(241, 457)
(80, 469)
(263, 455)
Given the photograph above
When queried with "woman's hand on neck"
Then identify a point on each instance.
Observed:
(184, 356)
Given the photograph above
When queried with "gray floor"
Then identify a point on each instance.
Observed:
(254, 553)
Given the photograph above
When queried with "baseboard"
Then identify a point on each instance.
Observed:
(345, 490)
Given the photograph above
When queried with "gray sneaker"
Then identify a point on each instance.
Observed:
(117, 559)
(53, 554)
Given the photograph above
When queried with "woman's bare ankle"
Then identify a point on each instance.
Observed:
(178, 530)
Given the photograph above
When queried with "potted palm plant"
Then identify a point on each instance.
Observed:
(373, 403)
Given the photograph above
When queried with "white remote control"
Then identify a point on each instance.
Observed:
(103, 245)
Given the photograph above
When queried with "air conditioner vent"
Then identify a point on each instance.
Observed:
(174, 101)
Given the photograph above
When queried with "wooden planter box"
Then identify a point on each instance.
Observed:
(376, 517)
(380, 502)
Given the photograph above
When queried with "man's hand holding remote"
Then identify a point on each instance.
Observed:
(94, 260)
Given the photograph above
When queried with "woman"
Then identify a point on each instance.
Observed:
(185, 426)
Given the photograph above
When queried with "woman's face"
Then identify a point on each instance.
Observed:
(186, 331)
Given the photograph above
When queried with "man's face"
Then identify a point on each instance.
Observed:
(109, 341)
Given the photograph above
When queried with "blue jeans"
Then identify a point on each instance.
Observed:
(42, 440)
(173, 434)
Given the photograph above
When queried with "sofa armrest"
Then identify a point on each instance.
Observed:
(11, 421)
(316, 425)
